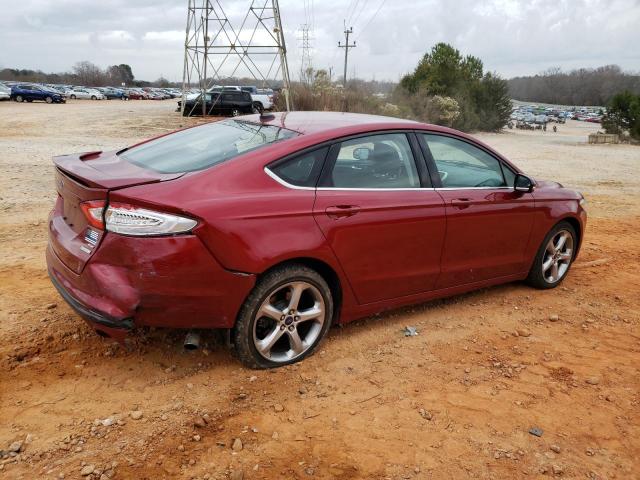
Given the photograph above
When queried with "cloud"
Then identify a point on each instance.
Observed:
(512, 37)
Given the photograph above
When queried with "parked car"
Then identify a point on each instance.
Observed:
(277, 226)
(113, 93)
(85, 93)
(26, 92)
(5, 92)
(229, 102)
(137, 94)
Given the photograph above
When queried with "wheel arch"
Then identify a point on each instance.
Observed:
(577, 226)
(326, 271)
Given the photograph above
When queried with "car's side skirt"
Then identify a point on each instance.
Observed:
(359, 311)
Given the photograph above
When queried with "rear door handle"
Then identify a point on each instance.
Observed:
(341, 211)
(461, 203)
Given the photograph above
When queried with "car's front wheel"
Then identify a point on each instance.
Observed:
(284, 318)
(235, 112)
(48, 100)
(19, 98)
(554, 257)
(93, 97)
(72, 97)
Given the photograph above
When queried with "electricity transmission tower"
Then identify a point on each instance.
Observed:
(215, 48)
(346, 46)
(306, 66)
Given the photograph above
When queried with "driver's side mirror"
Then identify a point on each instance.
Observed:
(522, 183)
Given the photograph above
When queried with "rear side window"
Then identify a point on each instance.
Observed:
(376, 161)
(204, 146)
(302, 170)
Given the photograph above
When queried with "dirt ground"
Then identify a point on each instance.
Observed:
(456, 401)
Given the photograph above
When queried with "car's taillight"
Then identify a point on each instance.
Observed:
(130, 220)
(94, 212)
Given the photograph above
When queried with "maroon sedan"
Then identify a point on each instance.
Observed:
(278, 226)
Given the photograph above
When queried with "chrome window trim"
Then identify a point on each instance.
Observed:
(408, 189)
(474, 188)
(296, 187)
(285, 183)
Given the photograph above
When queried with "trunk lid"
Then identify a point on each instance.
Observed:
(83, 178)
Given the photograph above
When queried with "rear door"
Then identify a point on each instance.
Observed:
(488, 222)
(377, 212)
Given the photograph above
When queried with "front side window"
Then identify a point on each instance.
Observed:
(204, 146)
(376, 161)
(462, 165)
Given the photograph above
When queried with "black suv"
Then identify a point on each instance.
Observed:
(228, 102)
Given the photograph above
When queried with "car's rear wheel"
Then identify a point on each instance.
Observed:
(284, 318)
(257, 107)
(235, 112)
(72, 97)
(19, 98)
(554, 257)
(48, 100)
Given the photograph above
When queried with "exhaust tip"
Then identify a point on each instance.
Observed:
(192, 341)
(102, 333)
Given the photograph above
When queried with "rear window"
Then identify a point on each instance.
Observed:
(204, 146)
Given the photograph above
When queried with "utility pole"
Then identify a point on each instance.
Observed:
(346, 46)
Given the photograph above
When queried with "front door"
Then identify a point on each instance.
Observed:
(488, 222)
(386, 230)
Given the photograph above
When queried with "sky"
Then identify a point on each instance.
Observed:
(511, 37)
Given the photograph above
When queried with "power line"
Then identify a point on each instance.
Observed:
(350, 17)
(371, 19)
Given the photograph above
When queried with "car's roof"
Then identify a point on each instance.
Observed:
(316, 122)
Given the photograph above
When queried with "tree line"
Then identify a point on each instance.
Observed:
(83, 73)
(584, 86)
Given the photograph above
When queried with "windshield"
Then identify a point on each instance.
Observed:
(204, 146)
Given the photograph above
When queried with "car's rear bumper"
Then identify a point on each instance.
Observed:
(163, 281)
(106, 325)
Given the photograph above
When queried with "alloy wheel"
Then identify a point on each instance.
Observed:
(235, 113)
(19, 98)
(557, 256)
(289, 321)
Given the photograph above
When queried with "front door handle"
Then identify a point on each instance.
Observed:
(461, 203)
(341, 211)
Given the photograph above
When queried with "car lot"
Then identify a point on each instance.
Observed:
(459, 397)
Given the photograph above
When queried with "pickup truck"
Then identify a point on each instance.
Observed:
(262, 99)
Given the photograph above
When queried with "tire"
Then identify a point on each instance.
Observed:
(294, 334)
(559, 260)
(19, 98)
(72, 97)
(258, 108)
(235, 112)
(93, 97)
(48, 100)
